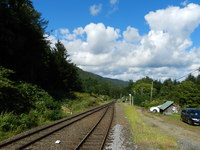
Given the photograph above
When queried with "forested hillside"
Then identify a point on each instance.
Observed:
(85, 75)
(92, 83)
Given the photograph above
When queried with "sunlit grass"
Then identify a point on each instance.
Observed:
(146, 135)
(83, 102)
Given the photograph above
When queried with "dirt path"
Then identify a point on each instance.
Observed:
(187, 139)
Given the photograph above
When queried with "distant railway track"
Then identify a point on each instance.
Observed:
(85, 130)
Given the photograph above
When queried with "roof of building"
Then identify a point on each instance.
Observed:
(166, 105)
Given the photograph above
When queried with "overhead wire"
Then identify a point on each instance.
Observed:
(188, 73)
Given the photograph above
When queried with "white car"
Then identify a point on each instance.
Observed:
(155, 109)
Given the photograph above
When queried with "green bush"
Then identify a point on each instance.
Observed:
(24, 106)
(53, 114)
(155, 102)
(11, 97)
(8, 122)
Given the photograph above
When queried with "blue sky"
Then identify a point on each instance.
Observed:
(127, 39)
(75, 13)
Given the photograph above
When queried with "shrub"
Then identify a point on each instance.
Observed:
(8, 122)
(155, 102)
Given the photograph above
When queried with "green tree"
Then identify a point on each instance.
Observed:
(191, 78)
(142, 90)
(22, 42)
(198, 81)
(64, 74)
(188, 94)
(166, 88)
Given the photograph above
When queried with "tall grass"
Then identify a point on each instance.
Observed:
(82, 102)
(146, 136)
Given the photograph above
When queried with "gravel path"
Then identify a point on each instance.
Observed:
(120, 136)
(187, 139)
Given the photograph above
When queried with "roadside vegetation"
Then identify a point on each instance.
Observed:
(24, 106)
(145, 135)
(148, 92)
(82, 102)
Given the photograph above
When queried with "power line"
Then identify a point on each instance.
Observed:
(189, 73)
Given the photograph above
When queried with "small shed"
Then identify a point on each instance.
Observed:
(168, 108)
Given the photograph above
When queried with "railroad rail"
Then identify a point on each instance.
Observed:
(29, 140)
(96, 137)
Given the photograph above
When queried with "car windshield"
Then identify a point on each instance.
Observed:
(195, 112)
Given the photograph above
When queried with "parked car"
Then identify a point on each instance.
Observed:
(191, 116)
(155, 109)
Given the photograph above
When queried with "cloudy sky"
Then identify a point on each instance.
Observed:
(127, 39)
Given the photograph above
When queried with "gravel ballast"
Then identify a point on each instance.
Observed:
(120, 137)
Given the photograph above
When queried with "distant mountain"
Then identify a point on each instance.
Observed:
(115, 82)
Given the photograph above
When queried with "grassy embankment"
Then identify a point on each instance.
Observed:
(82, 102)
(47, 111)
(145, 136)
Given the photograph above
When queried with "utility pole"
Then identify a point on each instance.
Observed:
(151, 91)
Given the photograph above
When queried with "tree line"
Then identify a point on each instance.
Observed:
(185, 93)
(25, 49)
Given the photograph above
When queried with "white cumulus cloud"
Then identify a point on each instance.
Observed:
(165, 51)
(131, 34)
(100, 38)
(175, 20)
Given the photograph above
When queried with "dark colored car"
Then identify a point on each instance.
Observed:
(191, 116)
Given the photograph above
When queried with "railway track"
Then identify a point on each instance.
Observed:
(84, 130)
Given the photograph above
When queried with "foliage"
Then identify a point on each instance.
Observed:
(10, 96)
(189, 95)
(101, 87)
(141, 90)
(24, 106)
(92, 83)
(84, 101)
(22, 40)
(185, 93)
(154, 102)
(26, 51)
